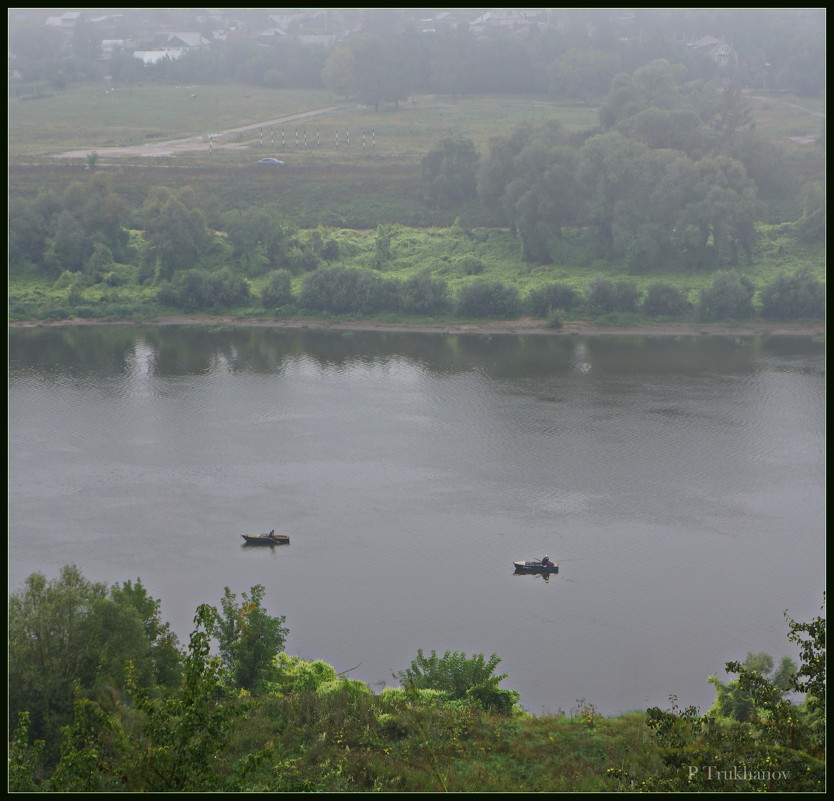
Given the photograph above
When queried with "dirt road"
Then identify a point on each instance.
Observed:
(219, 140)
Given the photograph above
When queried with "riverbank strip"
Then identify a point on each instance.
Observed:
(523, 326)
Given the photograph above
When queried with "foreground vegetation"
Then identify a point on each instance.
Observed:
(109, 701)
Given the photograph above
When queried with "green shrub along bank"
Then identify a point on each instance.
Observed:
(111, 702)
(259, 266)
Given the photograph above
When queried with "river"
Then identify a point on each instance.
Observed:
(678, 481)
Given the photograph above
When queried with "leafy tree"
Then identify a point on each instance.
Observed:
(258, 238)
(677, 129)
(278, 290)
(28, 229)
(610, 176)
(489, 299)
(460, 677)
(46, 640)
(451, 69)
(448, 172)
(496, 171)
(794, 296)
(585, 73)
(654, 84)
(379, 74)
(92, 747)
(720, 217)
(529, 181)
(184, 735)
(66, 248)
(163, 645)
(732, 701)
(249, 640)
(177, 235)
(338, 71)
(810, 678)
(23, 758)
(551, 297)
(729, 297)
(804, 70)
(734, 112)
(68, 630)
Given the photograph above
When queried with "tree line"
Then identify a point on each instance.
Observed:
(391, 56)
(80, 239)
(103, 698)
(676, 175)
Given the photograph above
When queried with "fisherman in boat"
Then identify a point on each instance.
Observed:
(272, 533)
(546, 562)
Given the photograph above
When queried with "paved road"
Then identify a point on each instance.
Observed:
(192, 142)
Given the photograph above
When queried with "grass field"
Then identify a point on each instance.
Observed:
(98, 116)
(101, 116)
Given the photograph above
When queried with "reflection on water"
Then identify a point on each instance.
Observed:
(677, 480)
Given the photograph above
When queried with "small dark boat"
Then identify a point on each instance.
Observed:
(536, 567)
(266, 539)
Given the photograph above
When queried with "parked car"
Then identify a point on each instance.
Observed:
(270, 160)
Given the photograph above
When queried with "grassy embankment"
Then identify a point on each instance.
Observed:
(373, 181)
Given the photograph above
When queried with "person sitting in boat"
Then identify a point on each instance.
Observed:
(272, 533)
(546, 562)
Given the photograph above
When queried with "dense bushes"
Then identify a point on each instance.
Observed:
(195, 289)
(459, 677)
(794, 296)
(606, 296)
(664, 300)
(340, 290)
(489, 299)
(278, 290)
(550, 297)
(423, 294)
(729, 298)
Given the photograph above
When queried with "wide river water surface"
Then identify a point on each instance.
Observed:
(678, 481)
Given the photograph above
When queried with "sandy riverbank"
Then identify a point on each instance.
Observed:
(526, 326)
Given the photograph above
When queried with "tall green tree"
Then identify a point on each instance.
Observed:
(723, 212)
(609, 173)
(259, 238)
(69, 630)
(449, 172)
(177, 235)
(734, 112)
(184, 735)
(249, 639)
